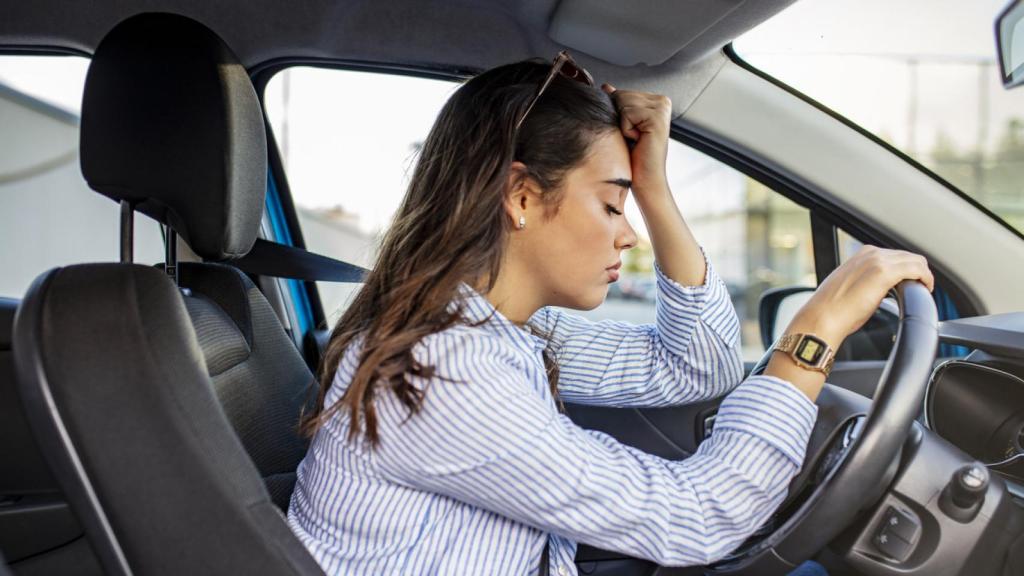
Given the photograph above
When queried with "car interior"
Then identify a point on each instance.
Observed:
(148, 409)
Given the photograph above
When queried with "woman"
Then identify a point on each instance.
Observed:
(438, 446)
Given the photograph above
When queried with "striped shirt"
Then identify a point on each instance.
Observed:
(489, 470)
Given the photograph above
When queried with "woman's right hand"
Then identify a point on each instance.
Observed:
(853, 291)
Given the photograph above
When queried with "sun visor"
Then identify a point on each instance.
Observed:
(646, 32)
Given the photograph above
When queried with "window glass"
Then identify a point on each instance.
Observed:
(48, 215)
(347, 168)
(848, 245)
(925, 79)
(347, 177)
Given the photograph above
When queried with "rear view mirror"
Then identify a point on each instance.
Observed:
(1010, 44)
(873, 341)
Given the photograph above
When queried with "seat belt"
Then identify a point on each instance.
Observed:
(268, 258)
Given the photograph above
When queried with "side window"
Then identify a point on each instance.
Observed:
(754, 237)
(848, 245)
(347, 177)
(48, 215)
(348, 170)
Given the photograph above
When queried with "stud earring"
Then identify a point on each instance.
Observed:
(522, 222)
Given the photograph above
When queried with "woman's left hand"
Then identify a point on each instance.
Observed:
(646, 118)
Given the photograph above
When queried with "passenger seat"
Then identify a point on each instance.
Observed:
(168, 411)
(172, 126)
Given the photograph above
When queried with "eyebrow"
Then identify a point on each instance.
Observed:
(621, 182)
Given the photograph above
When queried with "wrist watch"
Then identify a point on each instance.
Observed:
(808, 351)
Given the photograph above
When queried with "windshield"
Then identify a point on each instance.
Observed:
(919, 74)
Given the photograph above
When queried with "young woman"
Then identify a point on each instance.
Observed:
(438, 444)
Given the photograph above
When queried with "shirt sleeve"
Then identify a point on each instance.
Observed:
(690, 353)
(487, 438)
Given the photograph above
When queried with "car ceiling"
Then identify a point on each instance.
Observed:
(650, 42)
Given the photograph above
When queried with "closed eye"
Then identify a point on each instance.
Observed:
(612, 210)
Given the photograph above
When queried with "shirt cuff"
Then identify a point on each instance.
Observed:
(772, 409)
(680, 306)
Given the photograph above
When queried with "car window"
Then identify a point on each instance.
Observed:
(347, 170)
(347, 174)
(48, 215)
(925, 80)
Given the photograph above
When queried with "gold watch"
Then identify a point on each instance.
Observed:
(808, 351)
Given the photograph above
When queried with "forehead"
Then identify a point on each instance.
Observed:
(607, 159)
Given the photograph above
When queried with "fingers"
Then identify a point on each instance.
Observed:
(902, 265)
(629, 122)
(915, 267)
(640, 112)
(897, 265)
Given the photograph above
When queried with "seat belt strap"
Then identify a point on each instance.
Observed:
(282, 261)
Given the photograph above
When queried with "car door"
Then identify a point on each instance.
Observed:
(338, 177)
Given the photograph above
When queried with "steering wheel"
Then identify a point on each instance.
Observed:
(852, 454)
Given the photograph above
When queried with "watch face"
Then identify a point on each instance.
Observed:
(810, 349)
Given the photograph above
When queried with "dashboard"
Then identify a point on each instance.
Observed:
(977, 403)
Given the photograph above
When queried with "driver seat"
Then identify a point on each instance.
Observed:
(166, 411)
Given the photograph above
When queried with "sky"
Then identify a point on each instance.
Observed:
(350, 132)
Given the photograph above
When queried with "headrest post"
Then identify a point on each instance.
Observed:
(171, 258)
(127, 232)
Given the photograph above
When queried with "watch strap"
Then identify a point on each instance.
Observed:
(791, 344)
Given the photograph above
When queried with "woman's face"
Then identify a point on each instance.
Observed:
(569, 255)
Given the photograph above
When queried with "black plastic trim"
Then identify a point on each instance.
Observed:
(15, 50)
(825, 243)
(263, 72)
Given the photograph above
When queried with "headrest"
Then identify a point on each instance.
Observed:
(171, 123)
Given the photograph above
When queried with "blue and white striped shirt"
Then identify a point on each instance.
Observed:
(489, 470)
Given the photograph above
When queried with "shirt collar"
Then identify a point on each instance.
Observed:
(478, 308)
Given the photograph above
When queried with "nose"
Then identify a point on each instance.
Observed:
(626, 238)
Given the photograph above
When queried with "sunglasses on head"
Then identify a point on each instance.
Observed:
(566, 66)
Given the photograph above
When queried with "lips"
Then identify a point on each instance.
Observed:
(613, 271)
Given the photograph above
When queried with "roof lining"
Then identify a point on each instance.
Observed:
(463, 34)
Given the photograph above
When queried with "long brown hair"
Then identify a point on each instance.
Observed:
(452, 227)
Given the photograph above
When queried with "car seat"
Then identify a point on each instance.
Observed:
(166, 399)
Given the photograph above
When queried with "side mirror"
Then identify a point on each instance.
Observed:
(873, 341)
(1010, 44)
(777, 308)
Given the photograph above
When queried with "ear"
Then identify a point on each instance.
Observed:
(522, 195)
